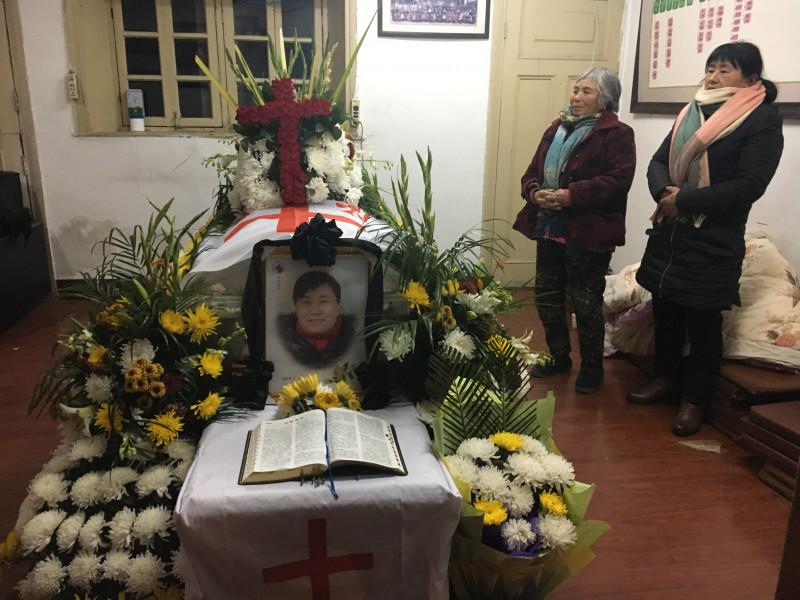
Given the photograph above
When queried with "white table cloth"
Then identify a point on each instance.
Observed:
(385, 537)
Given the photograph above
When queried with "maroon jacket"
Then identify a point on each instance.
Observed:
(598, 174)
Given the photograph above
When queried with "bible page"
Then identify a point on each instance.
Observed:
(292, 442)
(354, 436)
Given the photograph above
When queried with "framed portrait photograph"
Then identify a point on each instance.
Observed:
(314, 317)
(676, 38)
(433, 18)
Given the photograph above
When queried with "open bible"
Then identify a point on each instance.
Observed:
(295, 447)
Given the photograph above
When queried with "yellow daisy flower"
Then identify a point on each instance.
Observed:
(287, 396)
(210, 364)
(157, 389)
(142, 363)
(326, 400)
(129, 386)
(165, 428)
(553, 504)
(201, 322)
(103, 418)
(208, 407)
(97, 354)
(133, 373)
(416, 296)
(510, 441)
(348, 395)
(140, 384)
(493, 511)
(151, 371)
(307, 384)
(172, 322)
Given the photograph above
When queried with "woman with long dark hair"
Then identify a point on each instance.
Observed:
(718, 159)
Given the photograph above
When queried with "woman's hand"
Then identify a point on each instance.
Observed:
(667, 209)
(550, 199)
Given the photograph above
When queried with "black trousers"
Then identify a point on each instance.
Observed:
(566, 273)
(673, 323)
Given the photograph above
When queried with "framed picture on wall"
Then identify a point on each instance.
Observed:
(676, 38)
(315, 316)
(433, 18)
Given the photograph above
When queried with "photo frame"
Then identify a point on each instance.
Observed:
(306, 329)
(699, 36)
(454, 19)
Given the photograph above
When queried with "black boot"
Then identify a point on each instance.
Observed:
(689, 419)
(589, 379)
(657, 390)
(559, 364)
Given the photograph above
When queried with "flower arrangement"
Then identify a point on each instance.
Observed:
(308, 393)
(135, 387)
(291, 150)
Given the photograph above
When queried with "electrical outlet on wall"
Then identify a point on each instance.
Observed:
(355, 111)
(72, 86)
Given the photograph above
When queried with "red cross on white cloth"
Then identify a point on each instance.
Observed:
(291, 217)
(319, 566)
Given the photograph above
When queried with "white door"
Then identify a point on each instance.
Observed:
(542, 48)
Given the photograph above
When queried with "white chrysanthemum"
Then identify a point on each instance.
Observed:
(144, 571)
(560, 472)
(98, 388)
(395, 343)
(88, 448)
(353, 196)
(491, 483)
(89, 538)
(88, 490)
(557, 532)
(481, 304)
(50, 487)
(120, 528)
(68, 531)
(533, 447)
(477, 449)
(152, 522)
(520, 500)
(60, 460)
(38, 532)
(116, 565)
(318, 160)
(517, 534)
(132, 351)
(179, 564)
(181, 470)
(30, 506)
(117, 480)
(461, 342)
(356, 177)
(44, 580)
(462, 469)
(527, 469)
(317, 190)
(182, 450)
(84, 570)
(155, 479)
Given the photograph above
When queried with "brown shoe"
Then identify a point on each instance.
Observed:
(689, 419)
(657, 390)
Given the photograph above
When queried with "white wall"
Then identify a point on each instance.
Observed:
(778, 208)
(417, 93)
(94, 183)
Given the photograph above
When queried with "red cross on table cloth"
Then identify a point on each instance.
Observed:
(319, 565)
(291, 217)
(287, 111)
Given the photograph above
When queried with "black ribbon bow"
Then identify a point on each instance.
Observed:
(315, 241)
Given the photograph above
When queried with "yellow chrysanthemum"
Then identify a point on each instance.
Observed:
(157, 389)
(172, 322)
(208, 407)
(326, 400)
(170, 593)
(498, 344)
(165, 428)
(510, 441)
(210, 364)
(348, 395)
(553, 504)
(307, 384)
(103, 418)
(140, 384)
(416, 296)
(201, 322)
(133, 373)
(493, 511)
(97, 354)
(151, 371)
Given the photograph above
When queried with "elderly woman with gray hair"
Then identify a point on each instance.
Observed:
(575, 192)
